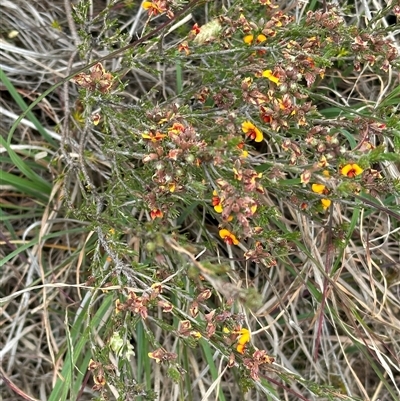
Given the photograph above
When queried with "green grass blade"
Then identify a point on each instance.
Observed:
(25, 186)
(21, 103)
(40, 183)
(79, 336)
(210, 362)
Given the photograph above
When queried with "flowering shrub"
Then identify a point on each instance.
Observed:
(195, 188)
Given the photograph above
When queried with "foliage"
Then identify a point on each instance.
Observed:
(221, 207)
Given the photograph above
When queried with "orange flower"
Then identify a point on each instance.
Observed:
(217, 202)
(184, 46)
(252, 131)
(152, 8)
(176, 128)
(351, 170)
(268, 74)
(228, 237)
(156, 213)
(100, 380)
(195, 29)
(244, 153)
(266, 114)
(154, 137)
(243, 340)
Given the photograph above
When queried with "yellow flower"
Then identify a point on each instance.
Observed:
(217, 202)
(228, 237)
(153, 8)
(243, 340)
(244, 153)
(268, 74)
(318, 188)
(325, 203)
(248, 39)
(176, 128)
(323, 162)
(252, 131)
(351, 170)
(117, 306)
(154, 355)
(261, 38)
(154, 137)
(147, 4)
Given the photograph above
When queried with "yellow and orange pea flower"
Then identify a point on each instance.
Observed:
(217, 202)
(244, 153)
(156, 213)
(269, 75)
(318, 188)
(195, 29)
(325, 203)
(184, 47)
(158, 136)
(321, 189)
(265, 114)
(351, 170)
(228, 237)
(152, 7)
(176, 128)
(252, 131)
(242, 340)
(249, 39)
